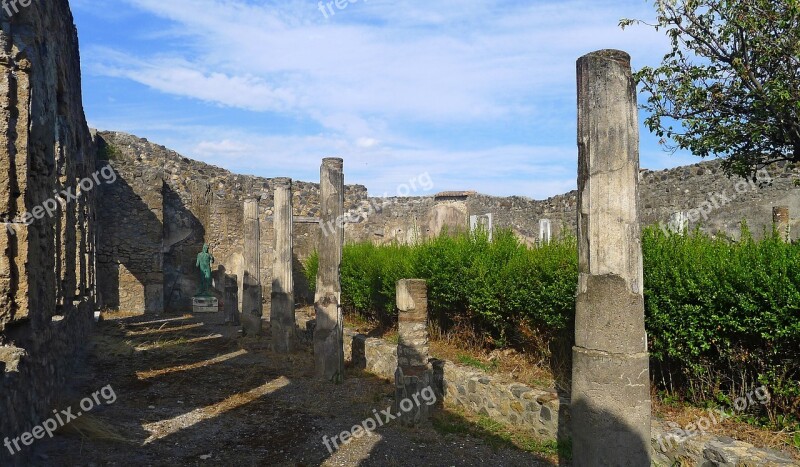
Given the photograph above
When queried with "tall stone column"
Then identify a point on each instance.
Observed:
(282, 304)
(251, 282)
(414, 374)
(610, 405)
(780, 218)
(328, 338)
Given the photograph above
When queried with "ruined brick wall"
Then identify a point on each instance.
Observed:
(47, 241)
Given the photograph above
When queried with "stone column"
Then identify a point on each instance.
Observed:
(414, 374)
(282, 304)
(780, 218)
(231, 307)
(610, 373)
(545, 231)
(328, 339)
(251, 282)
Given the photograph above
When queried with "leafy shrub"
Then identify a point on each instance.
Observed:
(108, 152)
(492, 284)
(310, 266)
(722, 317)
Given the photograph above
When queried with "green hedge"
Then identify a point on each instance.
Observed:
(722, 317)
(494, 284)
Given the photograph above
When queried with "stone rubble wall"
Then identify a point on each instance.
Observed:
(545, 412)
(663, 192)
(514, 404)
(47, 268)
(173, 206)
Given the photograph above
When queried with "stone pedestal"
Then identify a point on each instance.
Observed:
(205, 305)
(282, 319)
(610, 406)
(414, 373)
(328, 339)
(252, 307)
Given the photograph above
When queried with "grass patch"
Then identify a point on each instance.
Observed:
(455, 420)
(392, 337)
(108, 152)
(358, 322)
(91, 427)
(112, 315)
(469, 360)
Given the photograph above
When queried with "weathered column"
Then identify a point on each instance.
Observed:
(545, 231)
(610, 405)
(282, 304)
(231, 307)
(328, 339)
(780, 218)
(251, 282)
(414, 374)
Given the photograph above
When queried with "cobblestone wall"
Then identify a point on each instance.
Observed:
(546, 413)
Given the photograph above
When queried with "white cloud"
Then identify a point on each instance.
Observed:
(390, 83)
(254, 57)
(367, 143)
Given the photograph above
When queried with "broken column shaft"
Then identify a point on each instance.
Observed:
(252, 308)
(328, 337)
(282, 319)
(414, 374)
(610, 374)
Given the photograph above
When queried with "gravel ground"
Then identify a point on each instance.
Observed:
(202, 395)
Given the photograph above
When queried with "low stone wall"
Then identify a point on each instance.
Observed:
(515, 404)
(709, 450)
(546, 413)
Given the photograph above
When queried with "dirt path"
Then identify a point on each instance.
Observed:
(189, 393)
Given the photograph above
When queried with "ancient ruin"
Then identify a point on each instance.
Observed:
(414, 373)
(328, 340)
(282, 298)
(610, 369)
(182, 259)
(49, 182)
(252, 305)
(781, 220)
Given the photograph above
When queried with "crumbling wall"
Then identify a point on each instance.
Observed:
(166, 207)
(715, 203)
(131, 214)
(47, 243)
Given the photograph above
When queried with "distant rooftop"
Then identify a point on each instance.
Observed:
(454, 194)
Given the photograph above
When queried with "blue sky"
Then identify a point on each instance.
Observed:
(479, 94)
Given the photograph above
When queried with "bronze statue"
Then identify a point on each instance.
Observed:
(204, 261)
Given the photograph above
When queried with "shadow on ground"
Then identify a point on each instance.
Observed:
(190, 393)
